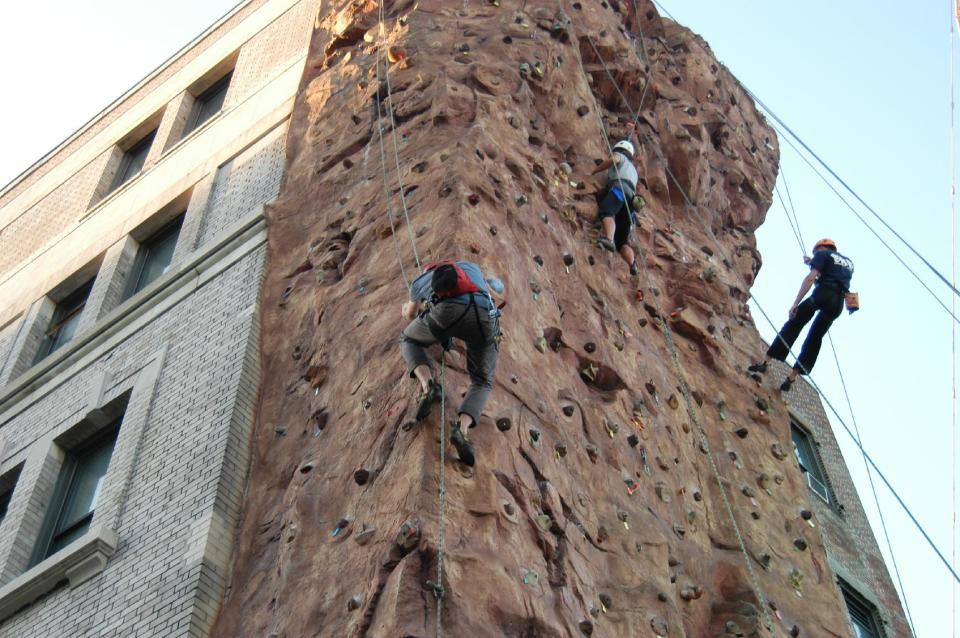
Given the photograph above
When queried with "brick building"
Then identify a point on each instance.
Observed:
(852, 550)
(131, 259)
(130, 265)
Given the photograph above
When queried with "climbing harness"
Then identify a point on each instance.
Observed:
(684, 386)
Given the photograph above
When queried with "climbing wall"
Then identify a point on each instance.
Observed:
(632, 479)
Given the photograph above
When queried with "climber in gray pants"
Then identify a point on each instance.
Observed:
(452, 300)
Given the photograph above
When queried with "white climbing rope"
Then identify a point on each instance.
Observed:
(442, 497)
(437, 585)
(383, 164)
(684, 386)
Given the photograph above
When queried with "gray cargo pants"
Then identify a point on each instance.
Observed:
(482, 348)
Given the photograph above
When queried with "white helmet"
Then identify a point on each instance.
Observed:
(625, 145)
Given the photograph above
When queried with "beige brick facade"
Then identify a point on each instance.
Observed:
(177, 362)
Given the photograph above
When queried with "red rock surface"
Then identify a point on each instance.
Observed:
(597, 509)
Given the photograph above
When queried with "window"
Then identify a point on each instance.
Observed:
(208, 103)
(7, 483)
(809, 462)
(65, 320)
(154, 257)
(75, 497)
(863, 614)
(132, 162)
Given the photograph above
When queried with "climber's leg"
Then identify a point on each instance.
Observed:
(414, 341)
(610, 205)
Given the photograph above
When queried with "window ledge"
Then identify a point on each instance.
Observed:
(76, 563)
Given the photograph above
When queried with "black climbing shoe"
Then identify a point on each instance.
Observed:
(786, 385)
(434, 394)
(607, 243)
(758, 367)
(634, 271)
(464, 449)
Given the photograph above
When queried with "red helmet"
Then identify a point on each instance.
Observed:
(825, 243)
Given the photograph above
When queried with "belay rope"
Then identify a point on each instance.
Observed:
(684, 386)
(435, 585)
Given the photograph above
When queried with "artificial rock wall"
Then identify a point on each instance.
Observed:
(594, 507)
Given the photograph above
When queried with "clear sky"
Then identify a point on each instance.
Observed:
(866, 84)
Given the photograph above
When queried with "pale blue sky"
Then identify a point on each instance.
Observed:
(865, 83)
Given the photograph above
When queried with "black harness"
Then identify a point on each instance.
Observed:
(442, 333)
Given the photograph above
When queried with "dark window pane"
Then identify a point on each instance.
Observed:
(863, 615)
(65, 319)
(5, 497)
(209, 103)
(806, 456)
(88, 469)
(155, 256)
(133, 160)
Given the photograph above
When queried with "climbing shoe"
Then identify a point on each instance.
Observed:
(634, 271)
(786, 385)
(758, 367)
(434, 394)
(607, 244)
(464, 449)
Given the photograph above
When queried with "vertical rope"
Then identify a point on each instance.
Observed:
(953, 307)
(675, 358)
(442, 496)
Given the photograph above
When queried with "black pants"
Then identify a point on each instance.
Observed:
(611, 206)
(827, 303)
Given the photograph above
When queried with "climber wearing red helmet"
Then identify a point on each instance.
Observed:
(616, 216)
(831, 272)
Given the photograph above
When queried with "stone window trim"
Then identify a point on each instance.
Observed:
(183, 278)
(129, 400)
(846, 581)
(832, 502)
(169, 152)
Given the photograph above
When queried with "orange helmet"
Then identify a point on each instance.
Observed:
(825, 243)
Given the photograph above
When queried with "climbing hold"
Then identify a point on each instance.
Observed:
(473, 199)
(590, 372)
(493, 230)
(503, 424)
(395, 54)
(539, 69)
(606, 601)
(778, 451)
(567, 410)
(748, 491)
(794, 631)
(796, 579)
(535, 436)
(662, 491)
(603, 534)
(566, 168)
(568, 260)
(535, 289)
(306, 467)
(355, 602)
(343, 524)
(592, 452)
(364, 535)
(538, 260)
(586, 627)
(280, 431)
(544, 522)
(531, 578)
(524, 70)
(361, 476)
(409, 535)
(755, 516)
(591, 260)
(806, 515)
(521, 199)
(612, 428)
(697, 496)
(541, 344)
(561, 450)
(582, 110)
(590, 347)
(720, 409)
(679, 530)
(691, 593)
(764, 561)
(662, 597)
(633, 440)
(800, 544)
(673, 402)
(742, 433)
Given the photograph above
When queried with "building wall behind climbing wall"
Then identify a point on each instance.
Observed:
(850, 542)
(173, 359)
